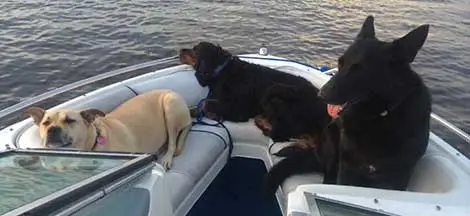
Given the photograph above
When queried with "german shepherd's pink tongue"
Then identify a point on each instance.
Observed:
(333, 110)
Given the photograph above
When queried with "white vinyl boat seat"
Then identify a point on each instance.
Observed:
(434, 173)
(203, 146)
(183, 82)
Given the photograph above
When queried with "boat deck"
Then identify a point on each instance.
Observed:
(233, 194)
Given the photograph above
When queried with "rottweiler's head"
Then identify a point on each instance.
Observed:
(207, 59)
(291, 112)
(373, 67)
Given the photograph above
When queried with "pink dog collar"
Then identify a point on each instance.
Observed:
(100, 140)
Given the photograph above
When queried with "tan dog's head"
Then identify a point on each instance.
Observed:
(65, 128)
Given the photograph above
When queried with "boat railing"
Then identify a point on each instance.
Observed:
(66, 88)
(451, 134)
(457, 131)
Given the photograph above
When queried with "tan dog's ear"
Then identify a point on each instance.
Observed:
(36, 113)
(187, 57)
(90, 114)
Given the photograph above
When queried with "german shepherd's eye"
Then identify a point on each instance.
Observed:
(69, 120)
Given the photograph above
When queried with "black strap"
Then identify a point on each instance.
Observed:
(98, 134)
(219, 123)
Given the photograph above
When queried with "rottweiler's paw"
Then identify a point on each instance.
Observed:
(289, 151)
(193, 112)
(263, 124)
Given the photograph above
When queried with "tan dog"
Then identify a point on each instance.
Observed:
(144, 124)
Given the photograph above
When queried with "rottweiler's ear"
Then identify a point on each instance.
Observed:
(367, 31)
(90, 114)
(407, 47)
(36, 113)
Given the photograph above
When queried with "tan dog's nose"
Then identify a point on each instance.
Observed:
(53, 130)
(54, 134)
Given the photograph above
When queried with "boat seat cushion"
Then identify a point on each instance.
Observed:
(246, 132)
(105, 101)
(203, 146)
(182, 82)
(435, 173)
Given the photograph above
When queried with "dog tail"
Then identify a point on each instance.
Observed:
(298, 162)
(181, 139)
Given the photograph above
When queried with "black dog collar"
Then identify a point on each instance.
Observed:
(384, 113)
(205, 79)
(219, 68)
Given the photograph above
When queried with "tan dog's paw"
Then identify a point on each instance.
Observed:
(166, 161)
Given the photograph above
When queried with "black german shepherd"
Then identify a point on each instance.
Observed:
(383, 127)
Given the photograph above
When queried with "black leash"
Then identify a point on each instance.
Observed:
(218, 123)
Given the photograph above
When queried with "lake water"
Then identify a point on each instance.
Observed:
(49, 43)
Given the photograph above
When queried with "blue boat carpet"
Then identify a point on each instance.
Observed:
(236, 191)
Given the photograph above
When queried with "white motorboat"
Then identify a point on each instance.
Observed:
(209, 177)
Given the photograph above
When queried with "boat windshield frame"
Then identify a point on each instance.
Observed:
(78, 192)
(315, 201)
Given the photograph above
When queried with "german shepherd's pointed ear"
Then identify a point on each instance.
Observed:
(36, 113)
(407, 47)
(90, 114)
(367, 30)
